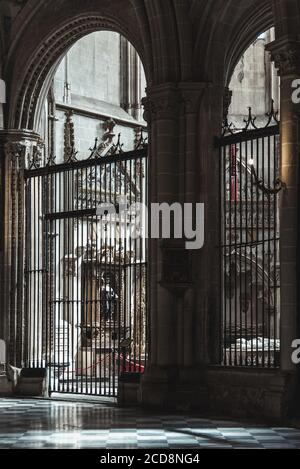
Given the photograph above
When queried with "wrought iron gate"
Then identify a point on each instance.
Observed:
(86, 278)
(250, 230)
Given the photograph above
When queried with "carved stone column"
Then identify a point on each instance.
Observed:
(14, 148)
(286, 55)
(172, 113)
(162, 114)
(191, 320)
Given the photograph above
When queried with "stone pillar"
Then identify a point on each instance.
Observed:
(286, 55)
(172, 112)
(192, 94)
(162, 113)
(15, 148)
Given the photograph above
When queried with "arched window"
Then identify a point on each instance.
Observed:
(86, 273)
(250, 185)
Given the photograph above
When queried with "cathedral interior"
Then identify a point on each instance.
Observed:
(106, 105)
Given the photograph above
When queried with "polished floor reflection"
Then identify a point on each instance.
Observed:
(63, 424)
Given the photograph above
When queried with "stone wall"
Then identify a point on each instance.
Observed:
(255, 81)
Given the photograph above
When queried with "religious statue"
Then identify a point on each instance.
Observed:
(108, 299)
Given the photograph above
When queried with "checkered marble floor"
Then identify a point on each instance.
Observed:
(68, 424)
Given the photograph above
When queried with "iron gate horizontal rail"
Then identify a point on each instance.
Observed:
(85, 276)
(249, 244)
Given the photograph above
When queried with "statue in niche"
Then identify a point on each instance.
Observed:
(108, 299)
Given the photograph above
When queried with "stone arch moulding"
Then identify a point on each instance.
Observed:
(227, 36)
(27, 101)
(239, 46)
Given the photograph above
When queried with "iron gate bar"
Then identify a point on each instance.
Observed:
(86, 163)
(70, 215)
(247, 135)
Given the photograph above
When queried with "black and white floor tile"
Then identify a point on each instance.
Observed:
(62, 424)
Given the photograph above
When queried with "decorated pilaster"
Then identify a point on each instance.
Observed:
(16, 147)
(286, 55)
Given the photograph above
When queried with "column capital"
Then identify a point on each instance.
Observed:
(285, 53)
(162, 102)
(192, 94)
(19, 143)
(165, 100)
(21, 136)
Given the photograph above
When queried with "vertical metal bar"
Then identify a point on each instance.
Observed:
(238, 285)
(269, 254)
(251, 254)
(116, 295)
(111, 391)
(74, 274)
(120, 280)
(234, 232)
(104, 290)
(227, 340)
(60, 279)
(135, 257)
(54, 294)
(257, 254)
(101, 170)
(147, 269)
(44, 262)
(98, 284)
(141, 270)
(40, 292)
(275, 207)
(28, 269)
(123, 360)
(80, 376)
(50, 233)
(88, 291)
(79, 255)
(89, 370)
(222, 286)
(230, 266)
(34, 277)
(245, 250)
(263, 254)
(67, 276)
(130, 266)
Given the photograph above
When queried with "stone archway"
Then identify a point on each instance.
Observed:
(188, 50)
(25, 106)
(32, 61)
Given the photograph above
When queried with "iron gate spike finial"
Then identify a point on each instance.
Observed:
(51, 160)
(141, 141)
(272, 115)
(250, 121)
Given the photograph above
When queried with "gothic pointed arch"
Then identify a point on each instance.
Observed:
(36, 60)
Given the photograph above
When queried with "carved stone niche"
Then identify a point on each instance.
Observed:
(176, 269)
